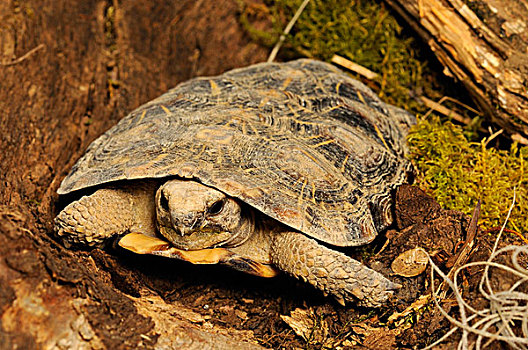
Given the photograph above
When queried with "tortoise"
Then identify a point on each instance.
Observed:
(267, 168)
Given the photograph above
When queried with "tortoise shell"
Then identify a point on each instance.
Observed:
(301, 141)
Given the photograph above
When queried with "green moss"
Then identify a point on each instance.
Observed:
(458, 172)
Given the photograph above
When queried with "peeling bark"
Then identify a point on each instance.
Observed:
(484, 45)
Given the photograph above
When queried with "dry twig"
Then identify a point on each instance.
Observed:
(354, 67)
(438, 107)
(24, 57)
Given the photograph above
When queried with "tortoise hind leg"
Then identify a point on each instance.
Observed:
(106, 213)
(330, 271)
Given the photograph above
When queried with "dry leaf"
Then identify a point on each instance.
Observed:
(410, 263)
(306, 324)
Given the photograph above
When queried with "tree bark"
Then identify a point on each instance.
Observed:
(70, 70)
(484, 45)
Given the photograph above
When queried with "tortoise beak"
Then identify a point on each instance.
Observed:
(143, 244)
(183, 230)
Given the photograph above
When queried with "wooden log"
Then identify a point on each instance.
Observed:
(484, 45)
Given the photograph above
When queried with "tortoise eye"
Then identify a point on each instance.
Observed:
(164, 202)
(216, 208)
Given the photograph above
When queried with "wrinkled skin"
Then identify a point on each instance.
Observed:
(201, 225)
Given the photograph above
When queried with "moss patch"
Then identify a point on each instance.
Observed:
(458, 172)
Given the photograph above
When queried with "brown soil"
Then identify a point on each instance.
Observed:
(98, 60)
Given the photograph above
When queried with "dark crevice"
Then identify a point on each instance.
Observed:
(112, 63)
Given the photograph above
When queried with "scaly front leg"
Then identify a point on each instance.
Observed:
(330, 271)
(108, 212)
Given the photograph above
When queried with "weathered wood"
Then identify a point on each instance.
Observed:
(484, 45)
(69, 70)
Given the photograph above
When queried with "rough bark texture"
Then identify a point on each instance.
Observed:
(484, 45)
(95, 60)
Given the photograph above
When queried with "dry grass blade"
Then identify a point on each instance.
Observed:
(287, 30)
(464, 252)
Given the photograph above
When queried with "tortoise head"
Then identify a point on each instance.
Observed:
(193, 216)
